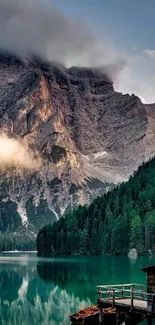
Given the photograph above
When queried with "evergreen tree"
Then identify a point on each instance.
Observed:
(112, 224)
(83, 242)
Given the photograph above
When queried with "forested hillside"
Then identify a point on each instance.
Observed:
(112, 224)
(21, 241)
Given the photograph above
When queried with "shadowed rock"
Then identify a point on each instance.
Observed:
(87, 135)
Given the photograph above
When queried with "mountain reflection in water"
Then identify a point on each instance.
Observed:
(45, 292)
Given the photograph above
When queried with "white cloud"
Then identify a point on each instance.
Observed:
(14, 152)
(150, 53)
(138, 78)
(36, 27)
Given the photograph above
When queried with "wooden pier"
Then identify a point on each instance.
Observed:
(129, 298)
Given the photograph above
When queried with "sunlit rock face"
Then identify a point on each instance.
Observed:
(79, 138)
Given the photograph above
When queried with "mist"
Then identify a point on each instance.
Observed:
(15, 153)
(36, 27)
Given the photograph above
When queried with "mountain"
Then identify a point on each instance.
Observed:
(77, 137)
(114, 223)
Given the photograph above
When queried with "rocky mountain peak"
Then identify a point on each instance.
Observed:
(81, 135)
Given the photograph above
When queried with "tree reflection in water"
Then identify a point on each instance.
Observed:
(73, 280)
(42, 292)
(25, 299)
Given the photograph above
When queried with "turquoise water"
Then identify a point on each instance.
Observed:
(45, 291)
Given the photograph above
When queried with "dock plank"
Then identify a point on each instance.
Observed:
(128, 297)
(137, 304)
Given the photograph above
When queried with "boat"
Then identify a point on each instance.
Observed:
(110, 310)
(86, 316)
(109, 315)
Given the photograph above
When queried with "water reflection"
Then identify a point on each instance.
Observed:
(45, 292)
(25, 299)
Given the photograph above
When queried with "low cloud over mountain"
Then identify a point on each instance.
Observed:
(32, 26)
(15, 153)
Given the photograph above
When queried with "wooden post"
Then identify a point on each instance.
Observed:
(132, 297)
(142, 288)
(152, 307)
(113, 300)
(117, 319)
(100, 315)
(103, 319)
(98, 295)
(122, 291)
(149, 320)
(100, 292)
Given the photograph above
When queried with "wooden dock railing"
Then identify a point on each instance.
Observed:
(127, 294)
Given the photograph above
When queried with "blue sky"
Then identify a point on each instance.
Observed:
(130, 23)
(130, 26)
(117, 35)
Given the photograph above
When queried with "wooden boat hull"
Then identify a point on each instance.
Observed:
(86, 316)
(109, 315)
(87, 320)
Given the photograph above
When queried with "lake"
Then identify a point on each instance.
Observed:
(37, 291)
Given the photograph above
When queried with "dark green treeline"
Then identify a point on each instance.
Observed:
(16, 241)
(121, 219)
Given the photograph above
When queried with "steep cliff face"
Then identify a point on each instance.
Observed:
(84, 135)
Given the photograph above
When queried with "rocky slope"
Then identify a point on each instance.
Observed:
(85, 136)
